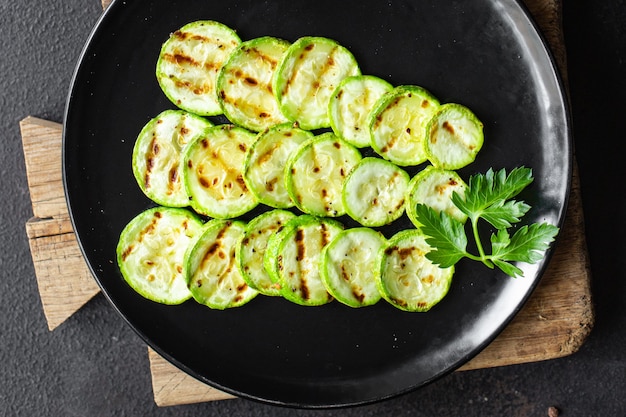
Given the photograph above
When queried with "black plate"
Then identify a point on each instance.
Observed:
(486, 54)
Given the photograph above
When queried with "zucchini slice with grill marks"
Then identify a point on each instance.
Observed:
(315, 174)
(293, 258)
(348, 266)
(398, 124)
(213, 172)
(151, 253)
(158, 155)
(434, 187)
(251, 249)
(407, 279)
(351, 104)
(307, 76)
(189, 63)
(455, 136)
(244, 84)
(374, 192)
(211, 269)
(264, 168)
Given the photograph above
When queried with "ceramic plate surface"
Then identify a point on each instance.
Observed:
(485, 54)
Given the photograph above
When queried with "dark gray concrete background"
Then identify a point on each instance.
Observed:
(95, 365)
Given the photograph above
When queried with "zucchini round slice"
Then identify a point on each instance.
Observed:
(151, 252)
(434, 187)
(211, 270)
(189, 62)
(315, 174)
(214, 172)
(244, 84)
(407, 279)
(157, 156)
(374, 192)
(251, 249)
(265, 163)
(307, 76)
(351, 104)
(293, 258)
(398, 124)
(349, 266)
(455, 136)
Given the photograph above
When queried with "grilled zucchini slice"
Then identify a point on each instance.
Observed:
(374, 192)
(348, 266)
(293, 256)
(307, 76)
(265, 163)
(407, 279)
(157, 155)
(398, 124)
(151, 251)
(189, 63)
(434, 187)
(214, 172)
(455, 136)
(315, 174)
(244, 84)
(211, 272)
(351, 104)
(251, 249)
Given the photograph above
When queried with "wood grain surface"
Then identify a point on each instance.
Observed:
(555, 321)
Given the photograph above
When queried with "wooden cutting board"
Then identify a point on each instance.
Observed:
(555, 321)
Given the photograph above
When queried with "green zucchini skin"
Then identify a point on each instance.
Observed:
(244, 84)
(252, 246)
(374, 192)
(213, 172)
(454, 137)
(315, 173)
(351, 104)
(210, 271)
(398, 124)
(407, 279)
(264, 167)
(348, 267)
(307, 76)
(189, 63)
(151, 253)
(157, 158)
(434, 187)
(293, 258)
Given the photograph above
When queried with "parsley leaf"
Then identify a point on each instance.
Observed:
(444, 234)
(490, 189)
(488, 197)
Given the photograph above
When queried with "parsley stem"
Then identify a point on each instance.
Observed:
(481, 251)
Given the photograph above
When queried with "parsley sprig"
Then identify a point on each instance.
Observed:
(488, 197)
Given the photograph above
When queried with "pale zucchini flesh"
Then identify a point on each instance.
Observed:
(307, 76)
(348, 267)
(252, 246)
(434, 187)
(244, 84)
(407, 279)
(211, 271)
(157, 158)
(264, 168)
(294, 255)
(315, 174)
(351, 104)
(213, 171)
(189, 63)
(398, 124)
(151, 253)
(374, 192)
(454, 137)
